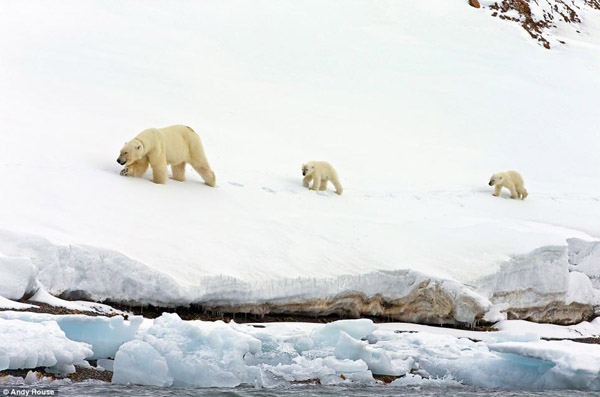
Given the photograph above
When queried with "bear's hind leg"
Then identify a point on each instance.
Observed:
(207, 175)
(338, 186)
(513, 192)
(323, 185)
(178, 172)
(522, 193)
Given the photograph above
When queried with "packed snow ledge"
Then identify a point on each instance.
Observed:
(556, 284)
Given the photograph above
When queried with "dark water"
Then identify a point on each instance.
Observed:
(83, 389)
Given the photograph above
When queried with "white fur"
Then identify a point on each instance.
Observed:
(511, 180)
(158, 147)
(320, 172)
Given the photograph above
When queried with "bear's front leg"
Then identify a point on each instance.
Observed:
(316, 183)
(497, 189)
(138, 168)
(306, 180)
(135, 169)
(159, 173)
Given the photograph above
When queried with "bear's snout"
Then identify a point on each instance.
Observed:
(491, 183)
(120, 161)
(303, 173)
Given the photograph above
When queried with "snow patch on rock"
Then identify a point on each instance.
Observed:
(546, 20)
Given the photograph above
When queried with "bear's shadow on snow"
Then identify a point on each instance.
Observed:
(147, 177)
(294, 186)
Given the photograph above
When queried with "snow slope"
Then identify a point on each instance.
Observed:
(416, 104)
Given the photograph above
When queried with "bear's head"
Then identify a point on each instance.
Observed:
(496, 178)
(131, 152)
(307, 169)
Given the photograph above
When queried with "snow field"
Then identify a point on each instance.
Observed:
(415, 106)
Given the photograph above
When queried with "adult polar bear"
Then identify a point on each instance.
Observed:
(158, 147)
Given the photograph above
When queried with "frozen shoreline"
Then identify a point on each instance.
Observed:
(167, 352)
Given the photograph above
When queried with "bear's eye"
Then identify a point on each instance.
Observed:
(125, 153)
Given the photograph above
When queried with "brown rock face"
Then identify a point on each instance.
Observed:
(540, 23)
(554, 313)
(427, 303)
(474, 3)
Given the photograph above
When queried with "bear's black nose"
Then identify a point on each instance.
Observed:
(490, 183)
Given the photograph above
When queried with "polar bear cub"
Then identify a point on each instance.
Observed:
(320, 172)
(511, 180)
(158, 147)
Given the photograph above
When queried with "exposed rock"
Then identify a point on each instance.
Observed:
(547, 15)
(428, 303)
(474, 3)
(81, 374)
(554, 312)
(45, 308)
(593, 4)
